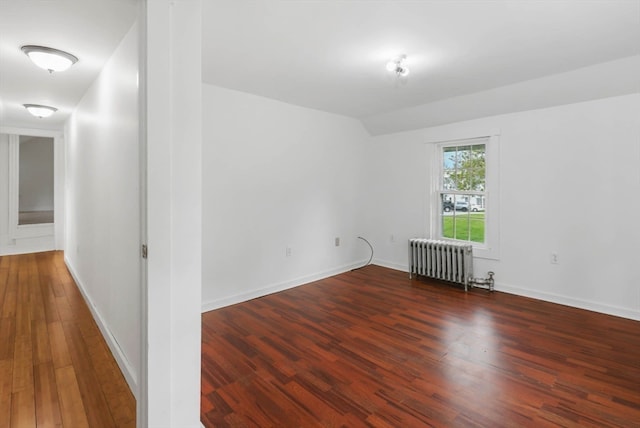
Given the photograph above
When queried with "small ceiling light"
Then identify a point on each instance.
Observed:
(48, 58)
(396, 66)
(39, 110)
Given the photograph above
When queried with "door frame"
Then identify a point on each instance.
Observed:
(17, 232)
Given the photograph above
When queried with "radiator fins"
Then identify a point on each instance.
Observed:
(447, 261)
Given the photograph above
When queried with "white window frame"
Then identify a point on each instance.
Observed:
(490, 248)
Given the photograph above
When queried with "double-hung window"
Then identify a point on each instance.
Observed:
(462, 192)
(463, 180)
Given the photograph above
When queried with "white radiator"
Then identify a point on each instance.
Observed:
(448, 261)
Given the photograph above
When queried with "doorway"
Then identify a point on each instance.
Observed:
(35, 180)
(31, 193)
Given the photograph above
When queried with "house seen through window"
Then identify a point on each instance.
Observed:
(462, 191)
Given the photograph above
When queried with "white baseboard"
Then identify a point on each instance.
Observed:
(540, 295)
(26, 245)
(274, 288)
(123, 363)
(390, 265)
(569, 301)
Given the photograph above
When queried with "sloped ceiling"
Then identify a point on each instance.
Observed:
(331, 55)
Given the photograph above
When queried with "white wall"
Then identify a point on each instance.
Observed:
(172, 113)
(36, 174)
(276, 176)
(569, 184)
(102, 203)
(4, 191)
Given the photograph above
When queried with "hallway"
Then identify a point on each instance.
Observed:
(55, 367)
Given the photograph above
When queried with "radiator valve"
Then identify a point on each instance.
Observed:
(486, 283)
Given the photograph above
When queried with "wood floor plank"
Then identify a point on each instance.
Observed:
(71, 406)
(98, 413)
(23, 412)
(10, 297)
(56, 284)
(4, 283)
(7, 338)
(40, 342)
(23, 309)
(5, 410)
(22, 364)
(375, 348)
(6, 384)
(50, 313)
(58, 342)
(111, 381)
(46, 397)
(36, 304)
(55, 367)
(64, 310)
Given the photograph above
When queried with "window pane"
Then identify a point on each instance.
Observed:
(477, 167)
(479, 148)
(447, 203)
(476, 226)
(463, 230)
(463, 153)
(477, 203)
(449, 158)
(464, 168)
(461, 203)
(462, 215)
(448, 182)
(475, 179)
(447, 216)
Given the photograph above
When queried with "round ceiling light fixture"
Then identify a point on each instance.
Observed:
(39, 110)
(397, 66)
(48, 58)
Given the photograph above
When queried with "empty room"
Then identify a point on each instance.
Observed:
(278, 213)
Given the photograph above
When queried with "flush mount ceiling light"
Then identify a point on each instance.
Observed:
(39, 110)
(48, 58)
(396, 66)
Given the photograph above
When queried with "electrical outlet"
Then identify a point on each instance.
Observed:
(554, 259)
(287, 252)
(337, 241)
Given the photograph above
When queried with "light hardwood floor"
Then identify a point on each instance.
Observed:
(55, 367)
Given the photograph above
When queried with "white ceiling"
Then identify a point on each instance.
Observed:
(88, 29)
(326, 54)
(331, 55)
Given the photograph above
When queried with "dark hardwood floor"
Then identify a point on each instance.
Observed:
(56, 370)
(373, 348)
